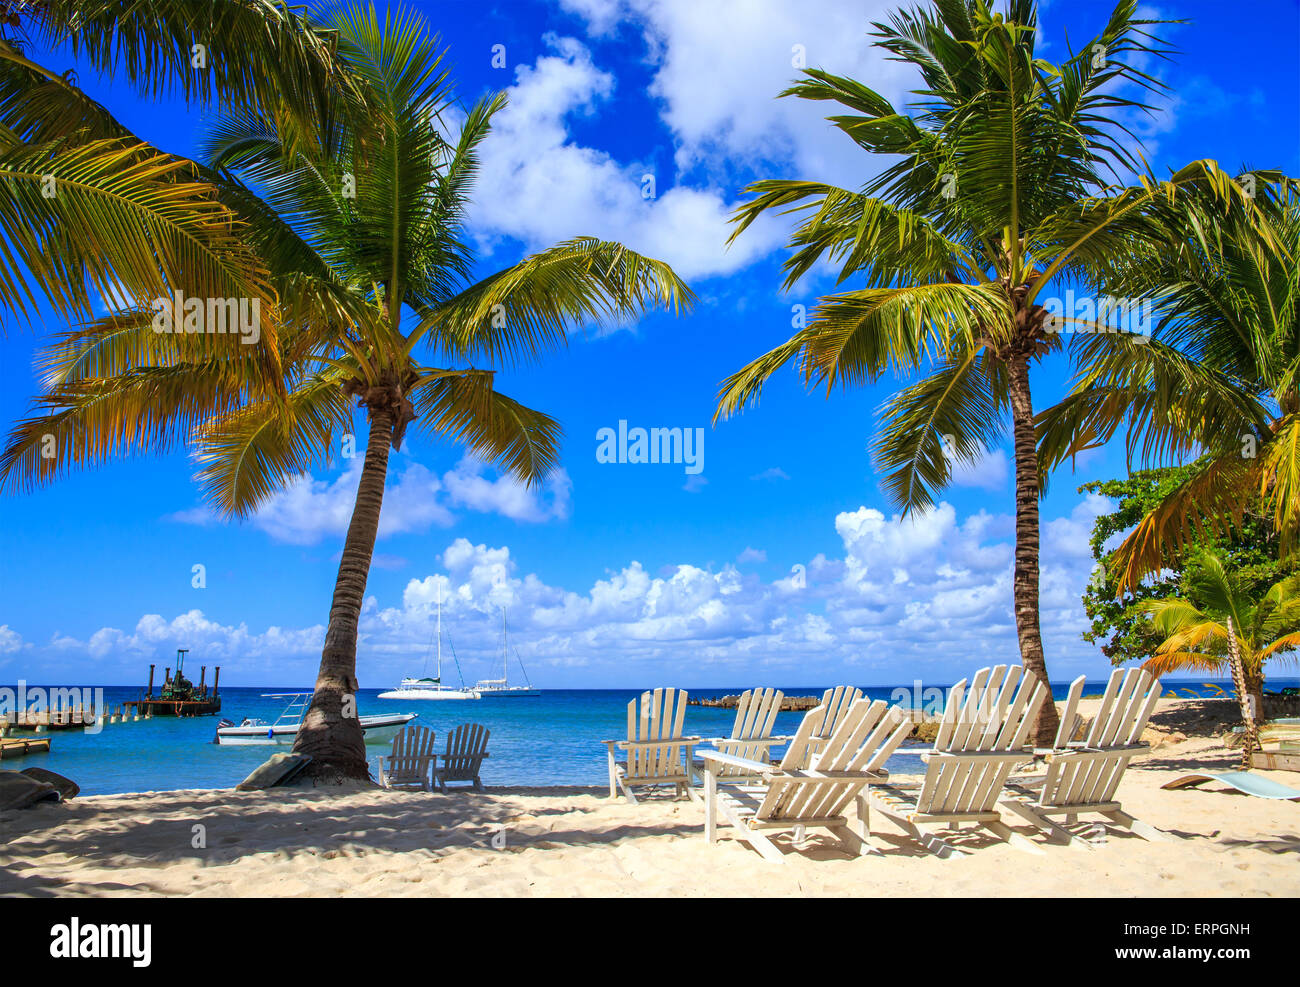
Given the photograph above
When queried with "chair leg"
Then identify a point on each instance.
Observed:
(931, 842)
(613, 773)
(1055, 834)
(1145, 830)
(710, 807)
(768, 850)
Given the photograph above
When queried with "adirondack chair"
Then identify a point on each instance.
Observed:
(751, 734)
(794, 797)
(656, 751)
(835, 705)
(408, 764)
(981, 739)
(1082, 775)
(466, 749)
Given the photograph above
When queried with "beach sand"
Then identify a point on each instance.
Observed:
(570, 841)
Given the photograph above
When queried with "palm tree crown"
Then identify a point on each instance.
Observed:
(997, 190)
(362, 228)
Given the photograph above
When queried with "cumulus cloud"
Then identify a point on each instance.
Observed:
(928, 595)
(720, 100)
(10, 641)
(307, 509)
(538, 186)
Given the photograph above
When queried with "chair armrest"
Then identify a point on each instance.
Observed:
(662, 742)
(758, 767)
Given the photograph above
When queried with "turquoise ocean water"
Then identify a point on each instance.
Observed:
(551, 739)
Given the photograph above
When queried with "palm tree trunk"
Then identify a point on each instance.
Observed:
(331, 730)
(1024, 582)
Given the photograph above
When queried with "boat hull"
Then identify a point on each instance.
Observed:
(427, 694)
(511, 693)
(377, 730)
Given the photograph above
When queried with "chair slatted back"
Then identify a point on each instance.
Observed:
(1090, 774)
(658, 715)
(752, 729)
(990, 717)
(867, 734)
(466, 748)
(408, 761)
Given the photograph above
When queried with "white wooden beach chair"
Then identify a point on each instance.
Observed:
(1082, 776)
(408, 764)
(791, 796)
(834, 706)
(656, 751)
(981, 739)
(751, 734)
(466, 749)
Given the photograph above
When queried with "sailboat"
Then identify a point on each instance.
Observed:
(501, 688)
(431, 688)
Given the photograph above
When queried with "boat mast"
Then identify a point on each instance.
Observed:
(505, 672)
(440, 632)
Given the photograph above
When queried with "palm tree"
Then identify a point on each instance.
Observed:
(364, 234)
(1196, 631)
(1219, 380)
(89, 211)
(992, 192)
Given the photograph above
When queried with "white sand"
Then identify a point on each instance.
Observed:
(579, 842)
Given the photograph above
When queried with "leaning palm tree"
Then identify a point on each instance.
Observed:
(994, 191)
(1219, 380)
(89, 211)
(364, 234)
(1198, 628)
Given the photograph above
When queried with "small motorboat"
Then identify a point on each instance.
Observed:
(378, 728)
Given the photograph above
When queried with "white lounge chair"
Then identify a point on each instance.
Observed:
(656, 751)
(981, 739)
(834, 706)
(751, 734)
(408, 763)
(1082, 776)
(466, 749)
(793, 797)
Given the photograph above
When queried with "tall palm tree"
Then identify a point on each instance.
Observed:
(88, 210)
(1196, 632)
(1219, 379)
(364, 234)
(993, 191)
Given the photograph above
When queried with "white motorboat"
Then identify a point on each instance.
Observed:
(501, 688)
(377, 728)
(431, 688)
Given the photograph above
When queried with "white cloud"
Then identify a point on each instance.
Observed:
(989, 472)
(775, 473)
(10, 641)
(927, 595)
(538, 186)
(720, 98)
(307, 510)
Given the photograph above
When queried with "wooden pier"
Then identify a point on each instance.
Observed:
(20, 748)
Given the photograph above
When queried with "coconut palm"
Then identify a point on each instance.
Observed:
(994, 189)
(1219, 381)
(364, 234)
(1196, 631)
(89, 211)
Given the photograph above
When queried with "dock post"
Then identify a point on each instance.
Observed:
(149, 694)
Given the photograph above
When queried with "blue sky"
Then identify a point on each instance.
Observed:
(625, 575)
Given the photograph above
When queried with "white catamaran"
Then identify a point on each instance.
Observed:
(431, 688)
(501, 688)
